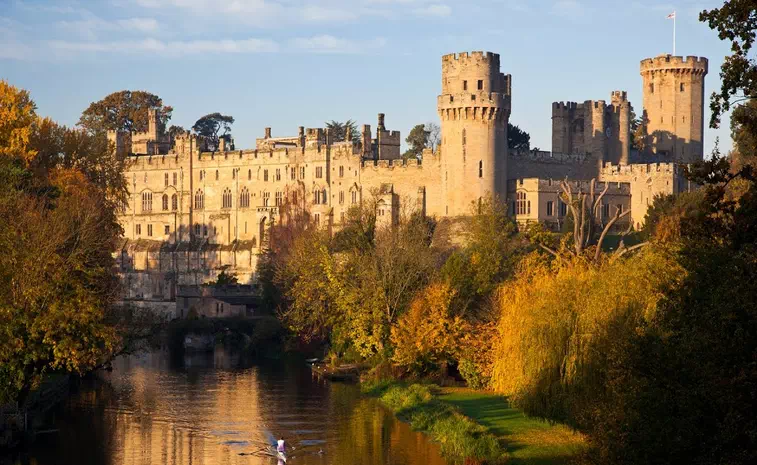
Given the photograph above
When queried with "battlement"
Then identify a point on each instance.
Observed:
(542, 156)
(675, 64)
(618, 96)
(609, 169)
(392, 164)
(465, 58)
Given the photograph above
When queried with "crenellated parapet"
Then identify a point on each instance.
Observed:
(675, 64)
(541, 156)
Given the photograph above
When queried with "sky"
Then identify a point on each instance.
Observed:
(290, 63)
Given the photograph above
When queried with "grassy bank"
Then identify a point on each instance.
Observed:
(478, 427)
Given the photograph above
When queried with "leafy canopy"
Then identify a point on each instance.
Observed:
(125, 110)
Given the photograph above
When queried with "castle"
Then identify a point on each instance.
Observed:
(191, 211)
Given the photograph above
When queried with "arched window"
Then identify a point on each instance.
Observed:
(249, 175)
(522, 206)
(226, 198)
(174, 202)
(244, 198)
(146, 201)
(480, 169)
(199, 200)
(197, 229)
(165, 201)
(324, 198)
(174, 179)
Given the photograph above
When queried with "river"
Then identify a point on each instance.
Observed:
(213, 409)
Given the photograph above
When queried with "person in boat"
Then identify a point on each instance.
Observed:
(281, 446)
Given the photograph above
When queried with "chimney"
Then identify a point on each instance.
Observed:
(267, 133)
(381, 122)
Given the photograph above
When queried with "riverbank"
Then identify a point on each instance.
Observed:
(478, 427)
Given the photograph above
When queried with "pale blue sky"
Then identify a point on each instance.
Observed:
(289, 63)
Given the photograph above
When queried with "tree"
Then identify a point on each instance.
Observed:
(175, 131)
(417, 140)
(17, 118)
(639, 131)
(339, 130)
(736, 21)
(225, 278)
(434, 135)
(125, 110)
(210, 125)
(518, 140)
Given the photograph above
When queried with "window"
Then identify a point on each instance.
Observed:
(465, 85)
(550, 208)
(294, 197)
(174, 202)
(341, 197)
(354, 197)
(341, 171)
(464, 138)
(605, 211)
(197, 229)
(480, 169)
(651, 88)
(146, 201)
(265, 175)
(279, 199)
(522, 206)
(174, 179)
(480, 84)
(266, 198)
(278, 174)
(316, 197)
(249, 175)
(204, 229)
(233, 173)
(166, 179)
(202, 175)
(683, 87)
(138, 229)
(165, 201)
(149, 230)
(167, 230)
(226, 203)
(293, 174)
(244, 198)
(563, 208)
(199, 200)
(317, 218)
(302, 173)
(318, 172)
(216, 175)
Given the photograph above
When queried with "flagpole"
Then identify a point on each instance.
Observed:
(674, 33)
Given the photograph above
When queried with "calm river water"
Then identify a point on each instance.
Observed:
(210, 410)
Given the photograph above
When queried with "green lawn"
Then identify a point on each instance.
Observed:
(529, 441)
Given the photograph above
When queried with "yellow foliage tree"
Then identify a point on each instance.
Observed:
(429, 334)
(17, 118)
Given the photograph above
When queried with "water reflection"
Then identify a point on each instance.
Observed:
(208, 410)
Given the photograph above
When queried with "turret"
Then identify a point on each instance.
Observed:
(474, 109)
(673, 90)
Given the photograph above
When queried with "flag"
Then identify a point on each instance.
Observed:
(671, 15)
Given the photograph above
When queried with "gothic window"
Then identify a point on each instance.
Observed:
(138, 229)
(166, 179)
(265, 175)
(174, 180)
(293, 173)
(244, 198)
(318, 172)
(149, 230)
(316, 197)
(146, 201)
(279, 199)
(354, 197)
(302, 173)
(174, 202)
(550, 208)
(199, 200)
(324, 198)
(226, 198)
(278, 174)
(522, 206)
(266, 198)
(197, 229)
(480, 169)
(165, 202)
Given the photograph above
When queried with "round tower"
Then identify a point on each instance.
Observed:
(674, 106)
(474, 109)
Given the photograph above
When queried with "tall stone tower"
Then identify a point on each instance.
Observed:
(474, 109)
(674, 106)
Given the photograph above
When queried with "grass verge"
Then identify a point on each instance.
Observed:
(477, 426)
(460, 438)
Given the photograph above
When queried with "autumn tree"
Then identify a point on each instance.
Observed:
(125, 110)
(210, 127)
(417, 140)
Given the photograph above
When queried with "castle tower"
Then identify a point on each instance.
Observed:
(474, 109)
(674, 106)
(152, 124)
(620, 150)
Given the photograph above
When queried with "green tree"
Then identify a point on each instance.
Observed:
(339, 130)
(417, 140)
(125, 110)
(225, 278)
(518, 140)
(210, 125)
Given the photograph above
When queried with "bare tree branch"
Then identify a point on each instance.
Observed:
(609, 225)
